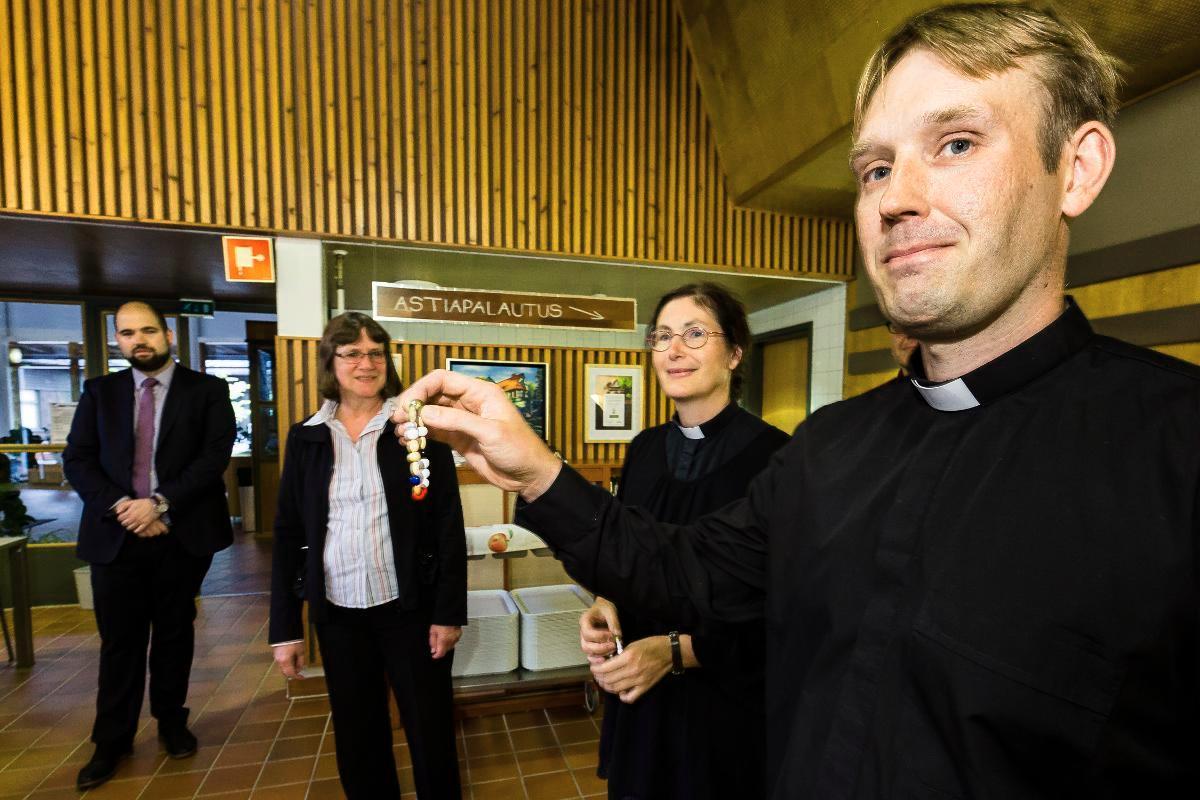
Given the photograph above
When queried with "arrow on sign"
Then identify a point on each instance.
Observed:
(585, 312)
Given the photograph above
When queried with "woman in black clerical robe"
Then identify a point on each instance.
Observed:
(684, 714)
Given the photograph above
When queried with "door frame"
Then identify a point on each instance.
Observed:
(752, 390)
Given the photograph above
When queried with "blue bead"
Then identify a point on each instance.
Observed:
(414, 479)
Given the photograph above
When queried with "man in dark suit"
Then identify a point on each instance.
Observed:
(146, 453)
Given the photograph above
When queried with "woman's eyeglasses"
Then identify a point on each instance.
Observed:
(695, 338)
(355, 356)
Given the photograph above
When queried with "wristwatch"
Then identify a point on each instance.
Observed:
(676, 653)
(161, 504)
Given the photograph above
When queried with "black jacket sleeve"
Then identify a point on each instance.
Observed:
(207, 467)
(712, 569)
(288, 554)
(450, 602)
(81, 458)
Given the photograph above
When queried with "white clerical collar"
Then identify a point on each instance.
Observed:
(690, 433)
(1009, 371)
(949, 396)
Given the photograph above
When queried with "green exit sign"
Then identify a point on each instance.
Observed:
(196, 308)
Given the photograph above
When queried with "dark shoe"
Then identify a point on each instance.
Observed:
(102, 767)
(178, 741)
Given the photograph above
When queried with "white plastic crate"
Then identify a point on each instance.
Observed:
(489, 643)
(550, 625)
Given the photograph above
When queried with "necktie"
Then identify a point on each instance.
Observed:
(143, 440)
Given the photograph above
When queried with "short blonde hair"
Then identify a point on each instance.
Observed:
(983, 39)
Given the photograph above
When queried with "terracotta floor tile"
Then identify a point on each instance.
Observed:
(254, 732)
(491, 768)
(552, 786)
(119, 789)
(17, 781)
(204, 758)
(526, 719)
(405, 776)
(230, 779)
(476, 725)
(581, 755)
(533, 738)
(169, 787)
(488, 744)
(511, 789)
(533, 762)
(20, 738)
(302, 726)
(294, 748)
(328, 789)
(243, 753)
(573, 732)
(567, 714)
(315, 707)
(54, 794)
(240, 794)
(589, 782)
(277, 773)
(277, 793)
(326, 768)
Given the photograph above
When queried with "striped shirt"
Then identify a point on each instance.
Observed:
(360, 571)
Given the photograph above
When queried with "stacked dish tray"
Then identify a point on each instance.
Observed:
(489, 643)
(550, 625)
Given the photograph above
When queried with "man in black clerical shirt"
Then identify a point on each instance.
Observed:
(980, 580)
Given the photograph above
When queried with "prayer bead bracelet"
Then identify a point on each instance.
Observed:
(414, 438)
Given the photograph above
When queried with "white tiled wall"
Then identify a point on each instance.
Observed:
(826, 311)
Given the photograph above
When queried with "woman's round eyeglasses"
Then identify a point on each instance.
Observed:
(695, 338)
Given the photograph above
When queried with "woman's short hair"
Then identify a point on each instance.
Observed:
(983, 39)
(730, 314)
(346, 329)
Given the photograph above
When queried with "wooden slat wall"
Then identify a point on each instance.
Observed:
(296, 371)
(551, 126)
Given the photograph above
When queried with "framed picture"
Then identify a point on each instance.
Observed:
(525, 382)
(613, 408)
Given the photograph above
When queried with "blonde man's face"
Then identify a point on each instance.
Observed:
(956, 215)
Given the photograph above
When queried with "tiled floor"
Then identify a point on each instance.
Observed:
(254, 743)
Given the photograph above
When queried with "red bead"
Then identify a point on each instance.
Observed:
(419, 492)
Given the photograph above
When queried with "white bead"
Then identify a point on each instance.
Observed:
(424, 473)
(415, 469)
(422, 430)
(414, 458)
(411, 433)
(425, 482)
(424, 463)
(413, 447)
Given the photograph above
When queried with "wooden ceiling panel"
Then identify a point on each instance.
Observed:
(778, 79)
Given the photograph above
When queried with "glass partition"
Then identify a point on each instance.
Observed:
(43, 374)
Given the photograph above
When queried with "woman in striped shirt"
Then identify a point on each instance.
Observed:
(388, 590)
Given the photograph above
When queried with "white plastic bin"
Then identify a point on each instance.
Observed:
(489, 643)
(83, 587)
(550, 625)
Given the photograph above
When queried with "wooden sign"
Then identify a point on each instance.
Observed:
(249, 259)
(399, 303)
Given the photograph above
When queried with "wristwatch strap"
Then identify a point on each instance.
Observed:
(676, 653)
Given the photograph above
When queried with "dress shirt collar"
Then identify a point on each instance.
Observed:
(163, 378)
(328, 413)
(1010, 371)
(706, 429)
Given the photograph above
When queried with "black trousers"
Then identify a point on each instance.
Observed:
(363, 651)
(145, 598)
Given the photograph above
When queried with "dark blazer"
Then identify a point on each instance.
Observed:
(195, 439)
(429, 545)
